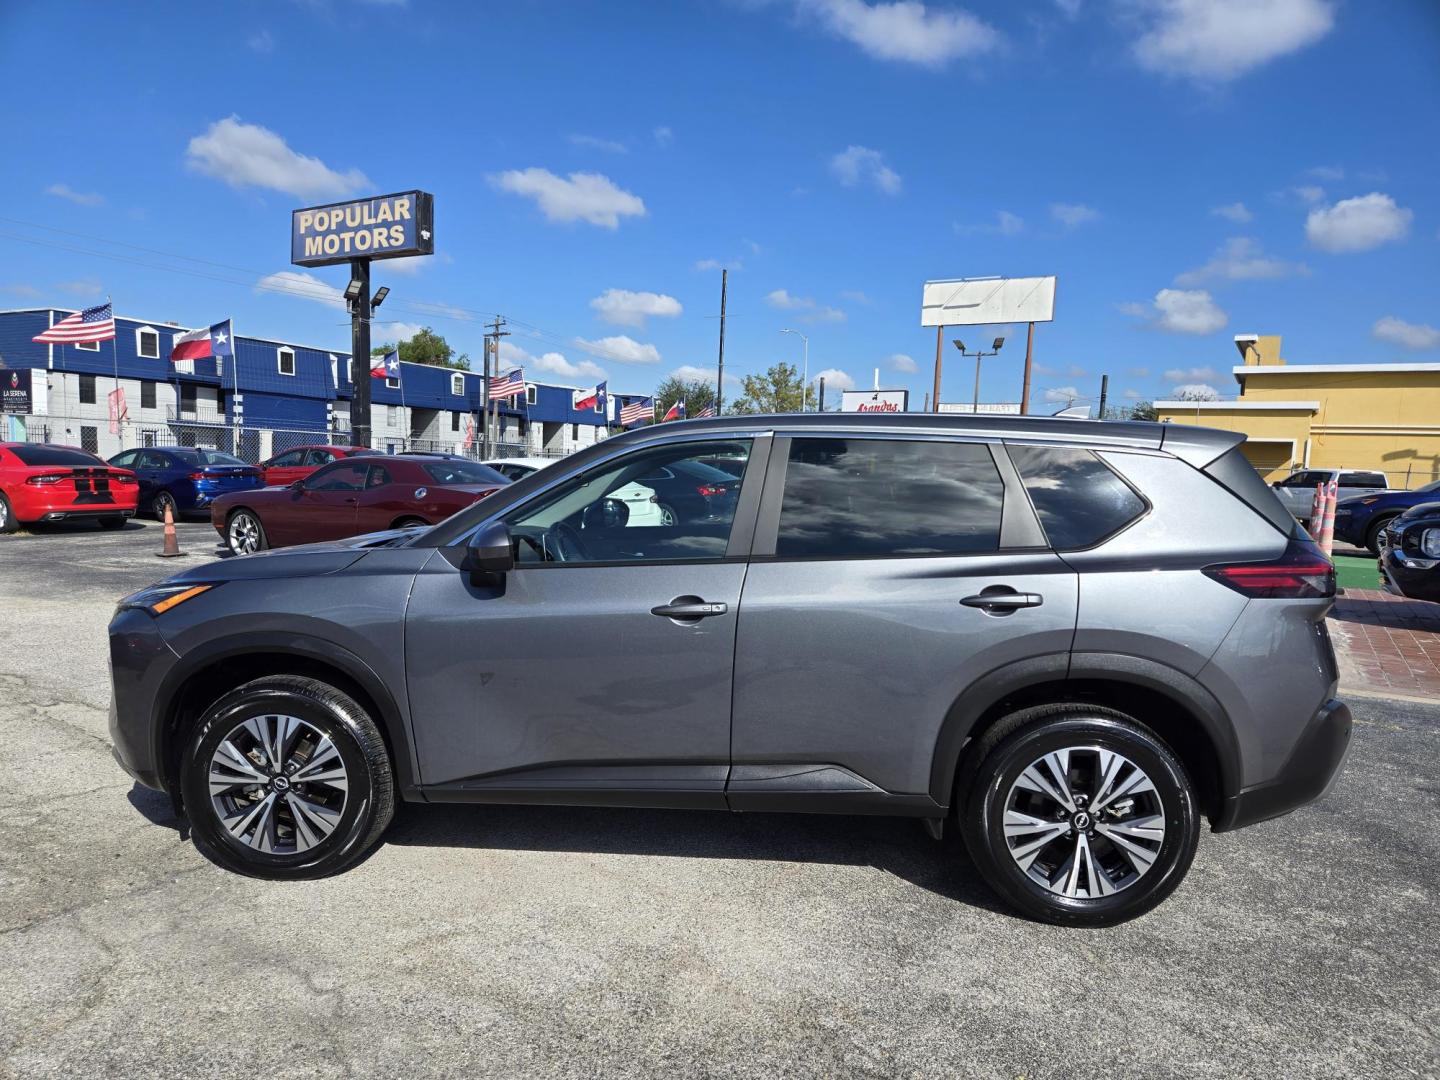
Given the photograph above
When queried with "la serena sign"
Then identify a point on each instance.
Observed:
(383, 227)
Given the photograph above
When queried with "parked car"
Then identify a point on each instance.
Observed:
(350, 496)
(1073, 639)
(1410, 553)
(44, 482)
(517, 467)
(1360, 519)
(284, 469)
(184, 478)
(1297, 491)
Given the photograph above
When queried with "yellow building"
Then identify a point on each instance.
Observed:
(1349, 416)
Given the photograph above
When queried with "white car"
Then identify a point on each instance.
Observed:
(513, 468)
(640, 500)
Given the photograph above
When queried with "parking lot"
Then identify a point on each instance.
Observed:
(534, 941)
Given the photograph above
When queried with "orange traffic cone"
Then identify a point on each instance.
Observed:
(172, 545)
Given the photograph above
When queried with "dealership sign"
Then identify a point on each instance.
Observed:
(15, 391)
(875, 401)
(383, 227)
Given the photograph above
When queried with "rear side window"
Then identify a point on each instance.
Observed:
(857, 498)
(1078, 498)
(1233, 471)
(1362, 480)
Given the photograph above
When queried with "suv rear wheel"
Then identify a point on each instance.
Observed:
(1079, 815)
(286, 777)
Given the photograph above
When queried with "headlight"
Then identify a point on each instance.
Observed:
(158, 599)
(1430, 543)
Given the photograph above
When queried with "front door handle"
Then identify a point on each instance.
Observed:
(1003, 600)
(689, 608)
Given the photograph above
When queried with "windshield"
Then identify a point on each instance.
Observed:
(214, 457)
(463, 472)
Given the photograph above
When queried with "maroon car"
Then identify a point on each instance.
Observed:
(349, 497)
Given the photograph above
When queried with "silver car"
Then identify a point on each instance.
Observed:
(1071, 640)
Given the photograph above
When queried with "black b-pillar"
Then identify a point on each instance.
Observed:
(360, 354)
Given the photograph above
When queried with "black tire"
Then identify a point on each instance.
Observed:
(368, 804)
(410, 522)
(158, 504)
(262, 542)
(8, 524)
(110, 524)
(1372, 534)
(1018, 741)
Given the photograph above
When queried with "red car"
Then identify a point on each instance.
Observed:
(282, 470)
(349, 497)
(41, 482)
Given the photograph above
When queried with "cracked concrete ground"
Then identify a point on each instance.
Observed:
(513, 941)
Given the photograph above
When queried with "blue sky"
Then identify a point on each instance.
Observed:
(1190, 169)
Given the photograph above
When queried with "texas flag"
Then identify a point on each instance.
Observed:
(387, 367)
(675, 412)
(218, 340)
(594, 398)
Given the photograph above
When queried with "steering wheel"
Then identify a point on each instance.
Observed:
(563, 542)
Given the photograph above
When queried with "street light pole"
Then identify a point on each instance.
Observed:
(978, 354)
(805, 378)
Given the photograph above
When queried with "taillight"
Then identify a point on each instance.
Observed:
(710, 490)
(47, 478)
(1301, 573)
(197, 476)
(122, 478)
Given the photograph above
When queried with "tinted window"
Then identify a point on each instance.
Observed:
(1078, 499)
(848, 498)
(463, 472)
(1232, 471)
(1362, 480)
(125, 460)
(319, 457)
(379, 476)
(152, 460)
(286, 460)
(1304, 479)
(214, 457)
(64, 456)
(342, 476)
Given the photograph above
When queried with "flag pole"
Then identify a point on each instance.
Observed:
(115, 367)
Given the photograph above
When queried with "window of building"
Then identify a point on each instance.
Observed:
(88, 346)
(90, 439)
(285, 361)
(574, 432)
(187, 397)
(147, 394)
(454, 421)
(147, 438)
(859, 498)
(147, 343)
(87, 389)
(530, 394)
(393, 384)
(457, 385)
(392, 416)
(1078, 498)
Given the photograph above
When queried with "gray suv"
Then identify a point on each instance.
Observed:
(1071, 639)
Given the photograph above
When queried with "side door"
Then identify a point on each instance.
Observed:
(889, 573)
(324, 506)
(599, 669)
(376, 508)
(151, 468)
(284, 469)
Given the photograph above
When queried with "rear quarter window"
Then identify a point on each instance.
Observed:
(1078, 498)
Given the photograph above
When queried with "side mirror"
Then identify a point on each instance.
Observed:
(489, 550)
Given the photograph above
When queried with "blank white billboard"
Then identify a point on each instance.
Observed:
(987, 301)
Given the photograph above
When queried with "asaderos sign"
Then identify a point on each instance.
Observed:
(383, 227)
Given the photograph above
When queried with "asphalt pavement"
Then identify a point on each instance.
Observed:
(529, 941)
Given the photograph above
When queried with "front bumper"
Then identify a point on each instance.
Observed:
(1418, 579)
(1307, 775)
(139, 661)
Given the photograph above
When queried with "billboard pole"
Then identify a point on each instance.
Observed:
(360, 354)
(1025, 389)
(939, 351)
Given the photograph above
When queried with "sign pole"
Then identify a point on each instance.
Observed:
(1025, 389)
(360, 354)
(939, 348)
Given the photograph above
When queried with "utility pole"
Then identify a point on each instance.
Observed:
(822, 393)
(720, 367)
(488, 408)
(359, 354)
(1104, 393)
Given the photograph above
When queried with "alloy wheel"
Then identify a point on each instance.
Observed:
(1084, 822)
(278, 784)
(244, 534)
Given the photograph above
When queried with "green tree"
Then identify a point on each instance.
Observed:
(426, 347)
(1142, 410)
(779, 390)
(696, 394)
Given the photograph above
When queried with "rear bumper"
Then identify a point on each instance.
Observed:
(88, 513)
(1307, 775)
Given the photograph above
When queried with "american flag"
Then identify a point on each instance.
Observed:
(93, 324)
(507, 386)
(637, 411)
(708, 410)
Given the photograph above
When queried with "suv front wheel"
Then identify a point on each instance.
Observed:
(1079, 815)
(286, 777)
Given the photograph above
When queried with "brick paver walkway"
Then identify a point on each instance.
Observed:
(1387, 644)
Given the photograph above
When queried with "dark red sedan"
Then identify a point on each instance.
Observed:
(349, 497)
(42, 482)
(298, 463)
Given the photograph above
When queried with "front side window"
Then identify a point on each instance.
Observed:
(379, 476)
(619, 511)
(319, 457)
(342, 476)
(862, 498)
(288, 459)
(1078, 498)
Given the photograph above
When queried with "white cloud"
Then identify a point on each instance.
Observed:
(812, 312)
(21, 289)
(663, 135)
(1194, 374)
(1240, 259)
(1407, 335)
(1069, 8)
(1061, 395)
(588, 197)
(442, 310)
(622, 348)
(905, 31)
(553, 363)
(85, 288)
(304, 286)
(261, 41)
(594, 142)
(1132, 395)
(1237, 212)
(835, 379)
(717, 264)
(395, 331)
(1308, 193)
(621, 307)
(1329, 173)
(1358, 224)
(1139, 372)
(824, 314)
(1196, 392)
(248, 155)
(409, 265)
(901, 362)
(1073, 214)
(859, 164)
(1180, 311)
(855, 296)
(1217, 40)
(691, 373)
(1005, 224)
(79, 198)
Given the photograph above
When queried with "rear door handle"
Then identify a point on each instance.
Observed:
(688, 607)
(1003, 601)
